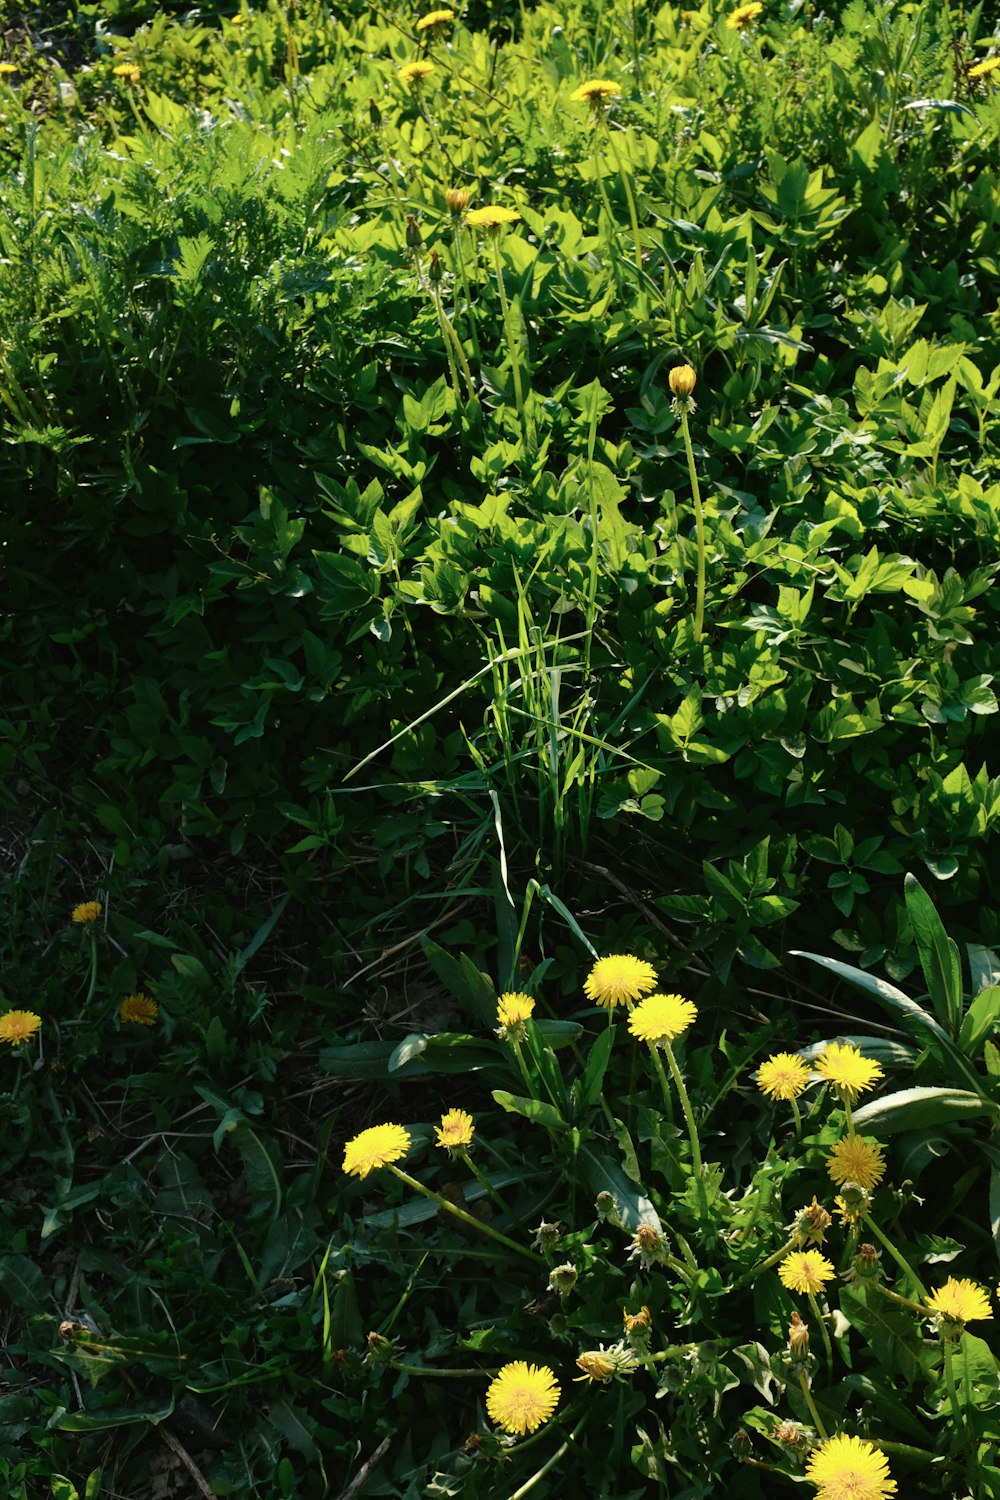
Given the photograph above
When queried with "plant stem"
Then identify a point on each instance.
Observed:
(93, 967)
(827, 1347)
(696, 1165)
(798, 1119)
(817, 1419)
(699, 522)
(900, 1260)
(765, 1265)
(464, 275)
(515, 359)
(525, 1075)
(630, 200)
(464, 1155)
(459, 1213)
(550, 1462)
(443, 1374)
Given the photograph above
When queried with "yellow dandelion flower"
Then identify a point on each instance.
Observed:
(414, 73)
(18, 1025)
(375, 1147)
(435, 18)
(848, 1468)
(595, 91)
(492, 218)
(9, 68)
(131, 72)
(240, 20)
(139, 1010)
(514, 1008)
(805, 1271)
(784, 1076)
(983, 69)
(856, 1158)
(661, 1018)
(637, 1323)
(456, 1129)
(522, 1397)
(842, 1065)
(744, 16)
(961, 1301)
(619, 979)
(682, 380)
(87, 911)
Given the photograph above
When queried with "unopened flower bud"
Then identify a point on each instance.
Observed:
(852, 1201)
(798, 1339)
(413, 236)
(547, 1236)
(790, 1435)
(605, 1204)
(812, 1223)
(864, 1266)
(374, 114)
(682, 380)
(379, 1348)
(639, 1322)
(563, 1279)
(435, 270)
(649, 1245)
(742, 1443)
(596, 1366)
(457, 200)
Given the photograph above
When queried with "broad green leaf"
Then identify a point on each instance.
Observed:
(531, 1109)
(981, 1017)
(939, 956)
(921, 1108)
(596, 1066)
(605, 1176)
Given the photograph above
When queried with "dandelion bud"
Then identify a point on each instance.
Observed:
(790, 1435)
(637, 1326)
(852, 1202)
(457, 200)
(547, 1236)
(414, 238)
(798, 1339)
(596, 1366)
(563, 1279)
(649, 1245)
(435, 270)
(865, 1264)
(379, 1348)
(742, 1443)
(374, 114)
(812, 1223)
(682, 380)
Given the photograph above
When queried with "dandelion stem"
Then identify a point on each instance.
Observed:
(526, 1076)
(443, 1374)
(827, 1347)
(699, 522)
(817, 1419)
(551, 1461)
(464, 1155)
(464, 275)
(911, 1306)
(900, 1259)
(630, 200)
(459, 1213)
(798, 1119)
(765, 1265)
(93, 967)
(515, 361)
(850, 1117)
(696, 1165)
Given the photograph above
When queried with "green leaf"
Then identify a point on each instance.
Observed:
(939, 957)
(531, 1109)
(605, 1176)
(920, 1108)
(981, 1017)
(473, 990)
(597, 1064)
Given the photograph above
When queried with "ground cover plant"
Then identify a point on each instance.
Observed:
(499, 522)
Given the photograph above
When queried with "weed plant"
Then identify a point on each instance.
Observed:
(483, 488)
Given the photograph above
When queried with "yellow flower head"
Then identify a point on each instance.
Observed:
(744, 16)
(856, 1158)
(375, 1147)
(798, 1338)
(514, 1008)
(842, 1065)
(18, 1025)
(596, 1366)
(661, 1018)
(131, 72)
(9, 67)
(87, 911)
(682, 380)
(140, 1010)
(596, 91)
(456, 1129)
(983, 69)
(492, 218)
(848, 1468)
(961, 1301)
(522, 1397)
(618, 980)
(237, 20)
(805, 1271)
(783, 1076)
(414, 73)
(435, 18)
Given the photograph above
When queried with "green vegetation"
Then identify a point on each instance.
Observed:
(394, 627)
